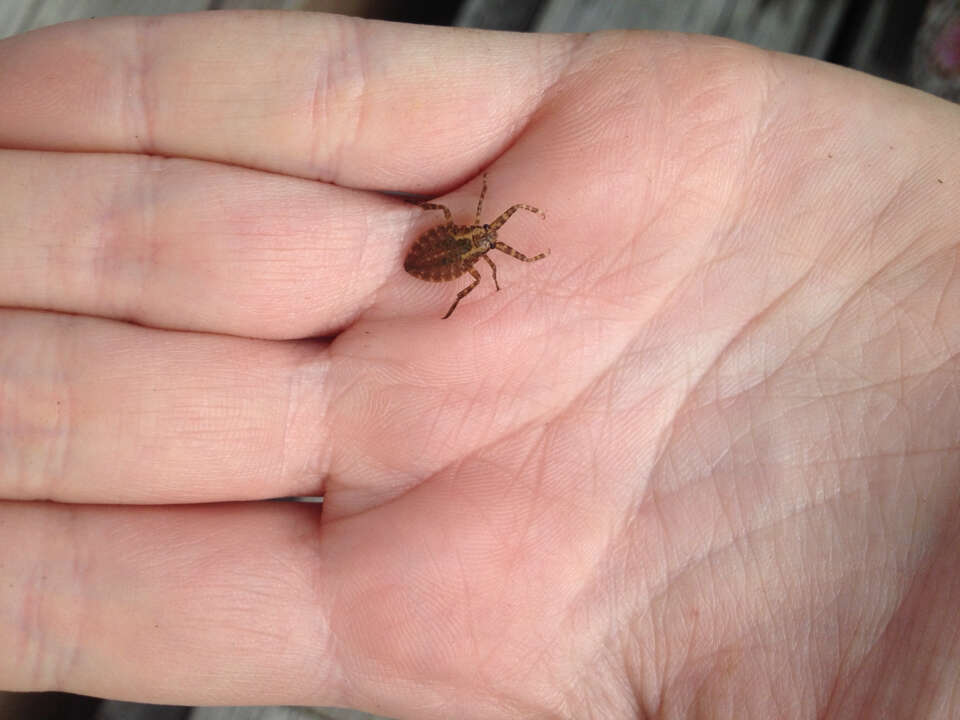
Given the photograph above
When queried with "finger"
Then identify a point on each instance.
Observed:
(209, 604)
(191, 245)
(364, 104)
(98, 411)
(259, 603)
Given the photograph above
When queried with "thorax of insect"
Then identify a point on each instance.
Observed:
(473, 240)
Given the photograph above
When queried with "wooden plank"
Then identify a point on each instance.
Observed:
(15, 15)
(516, 15)
(877, 36)
(885, 38)
(358, 8)
(276, 713)
(273, 5)
(798, 26)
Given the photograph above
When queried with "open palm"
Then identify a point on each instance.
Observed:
(701, 460)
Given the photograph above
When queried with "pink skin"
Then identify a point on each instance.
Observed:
(702, 462)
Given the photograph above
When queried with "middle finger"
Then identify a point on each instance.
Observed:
(191, 245)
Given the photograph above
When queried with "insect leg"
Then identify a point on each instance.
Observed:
(435, 206)
(463, 293)
(495, 225)
(494, 268)
(483, 193)
(503, 247)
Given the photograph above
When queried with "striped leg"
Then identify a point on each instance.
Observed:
(494, 268)
(463, 293)
(435, 206)
(503, 247)
(496, 224)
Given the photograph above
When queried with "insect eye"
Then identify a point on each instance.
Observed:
(486, 227)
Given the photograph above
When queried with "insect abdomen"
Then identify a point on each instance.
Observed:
(438, 255)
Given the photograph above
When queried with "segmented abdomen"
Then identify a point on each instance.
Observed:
(438, 255)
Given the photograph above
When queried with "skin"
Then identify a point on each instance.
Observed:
(702, 463)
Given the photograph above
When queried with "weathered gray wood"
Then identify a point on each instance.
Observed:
(118, 710)
(798, 26)
(14, 15)
(276, 4)
(886, 38)
(498, 14)
(279, 713)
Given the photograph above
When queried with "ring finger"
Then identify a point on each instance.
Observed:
(94, 410)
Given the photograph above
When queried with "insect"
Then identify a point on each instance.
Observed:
(447, 251)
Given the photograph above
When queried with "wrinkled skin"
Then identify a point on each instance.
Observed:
(702, 461)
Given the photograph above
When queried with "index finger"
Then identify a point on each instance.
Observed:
(360, 103)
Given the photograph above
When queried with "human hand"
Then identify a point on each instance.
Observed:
(702, 460)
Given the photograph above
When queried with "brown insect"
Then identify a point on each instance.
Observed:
(447, 251)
